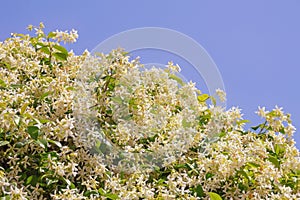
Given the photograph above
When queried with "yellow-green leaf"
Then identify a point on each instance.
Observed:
(23, 108)
(214, 196)
(61, 49)
(203, 97)
(176, 78)
(60, 56)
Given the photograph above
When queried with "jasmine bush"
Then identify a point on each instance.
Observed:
(62, 115)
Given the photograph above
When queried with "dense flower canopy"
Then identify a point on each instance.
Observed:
(63, 117)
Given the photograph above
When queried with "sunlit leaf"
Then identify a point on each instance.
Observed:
(61, 49)
(176, 78)
(3, 143)
(214, 196)
(203, 97)
(60, 56)
(51, 35)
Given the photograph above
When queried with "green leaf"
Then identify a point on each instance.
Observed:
(214, 196)
(117, 100)
(98, 144)
(51, 35)
(203, 97)
(60, 56)
(33, 131)
(43, 96)
(252, 164)
(23, 108)
(242, 122)
(67, 181)
(61, 49)
(243, 173)
(29, 179)
(44, 121)
(5, 65)
(7, 197)
(275, 161)
(101, 191)
(46, 50)
(15, 86)
(176, 78)
(2, 83)
(185, 124)
(32, 180)
(279, 149)
(39, 45)
(199, 191)
(111, 196)
(42, 142)
(70, 88)
(222, 134)
(213, 100)
(3, 143)
(208, 175)
(181, 166)
(57, 143)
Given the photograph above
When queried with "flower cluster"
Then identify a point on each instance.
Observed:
(103, 127)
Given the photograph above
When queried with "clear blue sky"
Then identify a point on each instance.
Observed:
(255, 44)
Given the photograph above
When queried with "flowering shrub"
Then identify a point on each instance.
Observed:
(63, 115)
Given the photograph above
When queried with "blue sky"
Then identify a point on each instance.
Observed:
(255, 44)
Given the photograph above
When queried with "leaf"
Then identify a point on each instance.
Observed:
(222, 134)
(242, 122)
(29, 179)
(278, 149)
(275, 161)
(44, 121)
(2, 83)
(7, 197)
(213, 100)
(98, 144)
(61, 49)
(17, 120)
(111, 196)
(117, 100)
(199, 191)
(252, 164)
(42, 142)
(70, 88)
(208, 175)
(46, 50)
(32, 180)
(16, 85)
(181, 166)
(39, 45)
(33, 131)
(23, 108)
(3, 143)
(176, 78)
(51, 35)
(243, 173)
(185, 124)
(57, 143)
(214, 196)
(101, 191)
(67, 181)
(72, 186)
(5, 65)
(203, 97)
(43, 96)
(60, 56)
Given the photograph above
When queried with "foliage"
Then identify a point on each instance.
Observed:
(43, 144)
